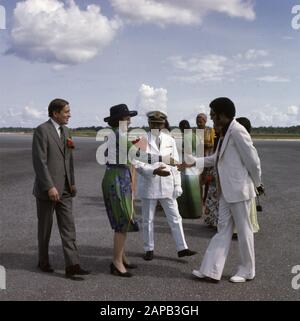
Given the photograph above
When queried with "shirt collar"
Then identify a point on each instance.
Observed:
(56, 125)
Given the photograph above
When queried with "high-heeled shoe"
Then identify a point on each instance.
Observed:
(115, 271)
(129, 265)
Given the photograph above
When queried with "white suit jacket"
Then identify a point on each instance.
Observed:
(153, 186)
(238, 166)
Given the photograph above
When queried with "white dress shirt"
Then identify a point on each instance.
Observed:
(57, 127)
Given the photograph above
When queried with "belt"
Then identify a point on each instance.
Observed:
(117, 165)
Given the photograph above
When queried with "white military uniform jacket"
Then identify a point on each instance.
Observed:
(238, 165)
(153, 186)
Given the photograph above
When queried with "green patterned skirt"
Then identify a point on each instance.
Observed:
(117, 195)
(190, 202)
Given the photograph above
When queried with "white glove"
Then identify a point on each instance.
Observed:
(177, 191)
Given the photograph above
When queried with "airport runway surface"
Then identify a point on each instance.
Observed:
(164, 278)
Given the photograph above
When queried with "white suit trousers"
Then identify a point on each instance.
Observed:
(174, 219)
(230, 215)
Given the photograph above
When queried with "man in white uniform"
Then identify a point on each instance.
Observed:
(166, 189)
(238, 173)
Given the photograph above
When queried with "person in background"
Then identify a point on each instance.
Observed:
(253, 213)
(189, 203)
(209, 136)
(211, 204)
(209, 133)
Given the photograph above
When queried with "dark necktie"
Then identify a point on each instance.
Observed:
(157, 142)
(217, 161)
(219, 149)
(62, 136)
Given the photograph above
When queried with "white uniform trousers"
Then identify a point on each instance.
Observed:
(174, 219)
(230, 215)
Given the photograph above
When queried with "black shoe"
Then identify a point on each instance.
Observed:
(234, 236)
(186, 252)
(75, 270)
(115, 271)
(130, 266)
(46, 268)
(148, 256)
(74, 278)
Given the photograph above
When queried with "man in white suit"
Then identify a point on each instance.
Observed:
(239, 177)
(151, 188)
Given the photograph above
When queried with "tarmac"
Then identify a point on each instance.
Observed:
(166, 278)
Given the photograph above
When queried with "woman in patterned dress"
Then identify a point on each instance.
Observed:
(211, 203)
(117, 189)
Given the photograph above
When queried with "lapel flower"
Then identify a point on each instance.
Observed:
(70, 143)
(141, 143)
(134, 142)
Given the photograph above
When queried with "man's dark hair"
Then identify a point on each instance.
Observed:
(184, 124)
(223, 106)
(245, 122)
(56, 105)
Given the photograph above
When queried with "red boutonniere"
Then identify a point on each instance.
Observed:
(140, 142)
(134, 142)
(70, 143)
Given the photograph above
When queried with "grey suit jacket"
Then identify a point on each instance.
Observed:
(52, 160)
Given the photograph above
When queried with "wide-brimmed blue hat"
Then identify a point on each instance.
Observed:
(120, 111)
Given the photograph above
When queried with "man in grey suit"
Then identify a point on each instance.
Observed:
(54, 187)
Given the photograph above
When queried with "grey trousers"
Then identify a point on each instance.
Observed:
(66, 226)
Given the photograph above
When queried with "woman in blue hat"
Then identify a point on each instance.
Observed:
(117, 184)
(117, 189)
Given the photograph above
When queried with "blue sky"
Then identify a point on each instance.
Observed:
(169, 55)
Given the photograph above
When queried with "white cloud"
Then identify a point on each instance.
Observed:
(293, 110)
(273, 79)
(288, 38)
(189, 12)
(31, 113)
(26, 117)
(275, 116)
(252, 54)
(159, 12)
(205, 68)
(150, 99)
(50, 31)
